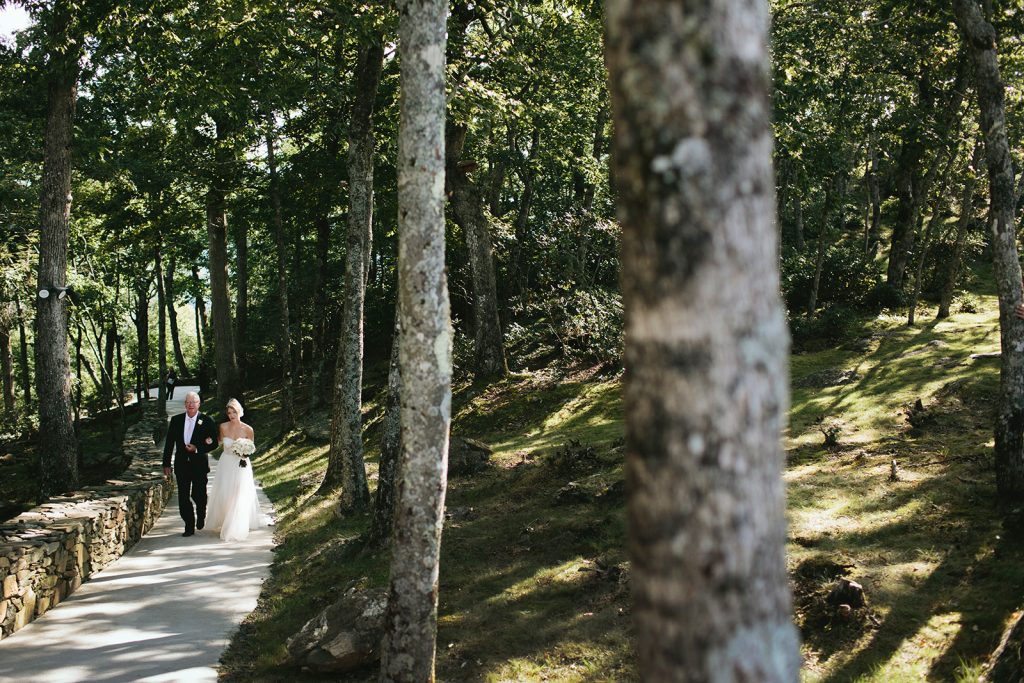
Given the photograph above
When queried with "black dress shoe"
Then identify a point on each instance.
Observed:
(189, 532)
(200, 524)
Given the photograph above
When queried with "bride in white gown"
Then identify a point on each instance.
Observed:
(233, 508)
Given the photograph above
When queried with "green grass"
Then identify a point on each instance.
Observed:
(524, 595)
(520, 597)
(928, 548)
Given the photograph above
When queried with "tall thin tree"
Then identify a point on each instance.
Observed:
(228, 375)
(706, 342)
(410, 629)
(284, 340)
(345, 460)
(980, 39)
(57, 442)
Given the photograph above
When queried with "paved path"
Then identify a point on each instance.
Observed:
(163, 612)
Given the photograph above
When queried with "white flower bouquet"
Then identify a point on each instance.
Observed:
(243, 448)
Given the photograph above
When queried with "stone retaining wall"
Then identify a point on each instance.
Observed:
(47, 552)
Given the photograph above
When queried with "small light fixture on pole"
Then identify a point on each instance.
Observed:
(61, 292)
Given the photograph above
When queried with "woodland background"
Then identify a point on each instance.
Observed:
(259, 140)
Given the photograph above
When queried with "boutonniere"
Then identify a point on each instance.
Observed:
(199, 422)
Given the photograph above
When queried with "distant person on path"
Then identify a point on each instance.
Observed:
(172, 377)
(234, 508)
(190, 435)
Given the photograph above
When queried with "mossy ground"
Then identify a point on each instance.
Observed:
(523, 593)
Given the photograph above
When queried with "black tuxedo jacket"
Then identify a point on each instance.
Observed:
(204, 438)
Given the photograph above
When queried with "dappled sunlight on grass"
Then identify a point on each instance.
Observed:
(927, 547)
(512, 597)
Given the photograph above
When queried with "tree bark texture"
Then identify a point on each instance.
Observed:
(241, 329)
(875, 201)
(938, 205)
(57, 442)
(204, 325)
(26, 376)
(161, 335)
(228, 375)
(467, 204)
(7, 362)
(172, 317)
(962, 231)
(706, 342)
(824, 237)
(345, 464)
(390, 450)
(284, 338)
(408, 648)
(142, 333)
(980, 39)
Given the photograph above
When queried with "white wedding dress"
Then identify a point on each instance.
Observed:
(233, 508)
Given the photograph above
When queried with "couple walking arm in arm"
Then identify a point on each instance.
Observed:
(190, 436)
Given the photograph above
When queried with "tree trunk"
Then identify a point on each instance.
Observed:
(875, 200)
(496, 182)
(908, 186)
(345, 464)
(980, 38)
(241, 235)
(706, 345)
(823, 243)
(914, 190)
(172, 318)
(321, 373)
(467, 204)
(228, 376)
(201, 306)
(57, 442)
(798, 221)
(78, 378)
(7, 366)
(161, 336)
(962, 231)
(26, 376)
(938, 205)
(142, 332)
(520, 252)
(408, 647)
(109, 339)
(284, 339)
(597, 151)
(390, 450)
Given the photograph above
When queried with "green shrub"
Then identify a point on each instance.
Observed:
(578, 325)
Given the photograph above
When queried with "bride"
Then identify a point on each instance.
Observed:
(234, 508)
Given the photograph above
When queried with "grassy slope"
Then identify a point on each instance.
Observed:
(518, 599)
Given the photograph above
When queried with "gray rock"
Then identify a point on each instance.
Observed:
(317, 425)
(344, 637)
(826, 378)
(466, 456)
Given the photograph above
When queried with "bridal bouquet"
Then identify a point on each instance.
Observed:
(243, 448)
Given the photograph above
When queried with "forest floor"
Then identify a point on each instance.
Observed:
(534, 578)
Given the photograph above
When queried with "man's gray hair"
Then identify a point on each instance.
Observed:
(191, 394)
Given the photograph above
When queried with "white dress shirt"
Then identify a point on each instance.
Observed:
(190, 426)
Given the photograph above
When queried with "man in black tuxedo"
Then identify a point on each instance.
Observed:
(191, 435)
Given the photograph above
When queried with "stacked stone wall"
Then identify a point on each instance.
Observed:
(47, 552)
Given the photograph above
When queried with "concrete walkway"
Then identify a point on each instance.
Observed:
(163, 612)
